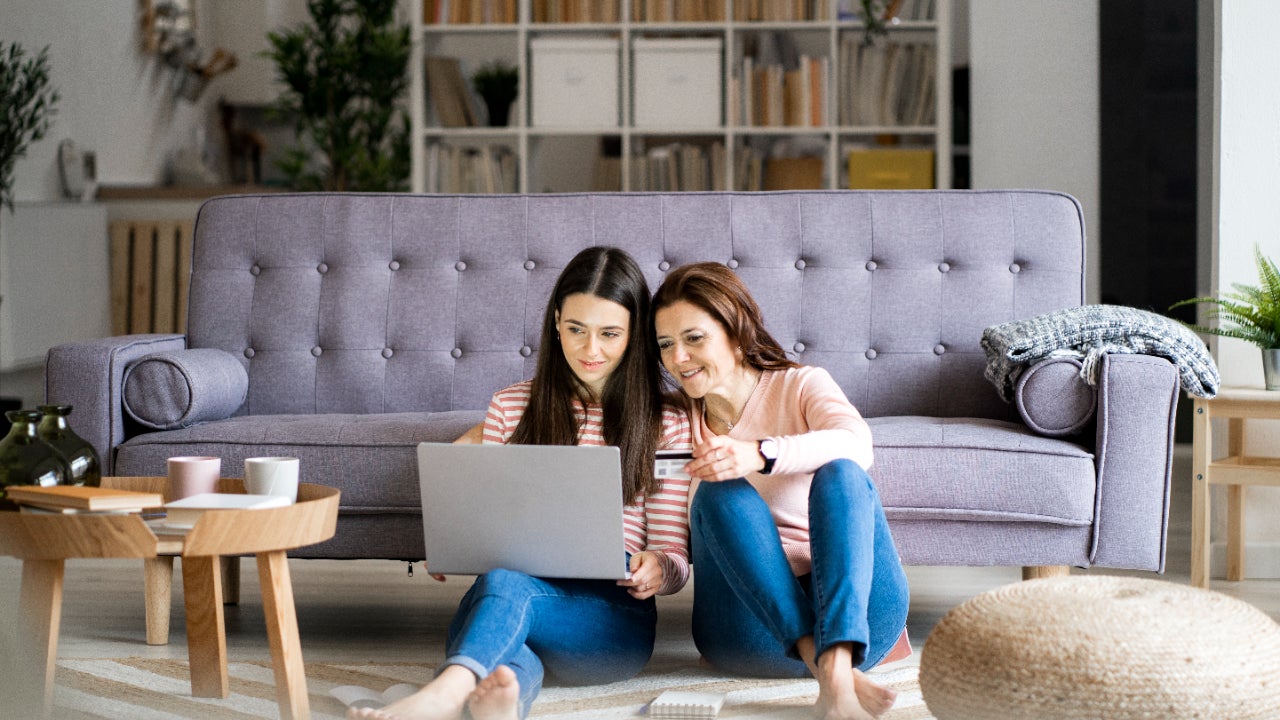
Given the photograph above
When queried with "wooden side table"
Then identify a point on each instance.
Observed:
(46, 542)
(1236, 471)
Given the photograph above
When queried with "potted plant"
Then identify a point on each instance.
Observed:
(345, 72)
(1251, 313)
(497, 84)
(27, 107)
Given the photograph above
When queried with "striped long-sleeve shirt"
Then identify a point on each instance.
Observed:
(659, 522)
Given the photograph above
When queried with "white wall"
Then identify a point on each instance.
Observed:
(1242, 127)
(116, 100)
(1034, 94)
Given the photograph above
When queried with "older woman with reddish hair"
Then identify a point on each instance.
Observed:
(797, 572)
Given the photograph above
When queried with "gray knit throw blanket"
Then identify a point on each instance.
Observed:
(1090, 331)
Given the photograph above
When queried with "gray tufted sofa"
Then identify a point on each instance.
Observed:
(346, 328)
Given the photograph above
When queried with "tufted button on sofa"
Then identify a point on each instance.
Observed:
(425, 305)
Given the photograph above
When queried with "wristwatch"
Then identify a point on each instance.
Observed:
(768, 451)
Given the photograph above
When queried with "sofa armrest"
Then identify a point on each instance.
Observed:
(1137, 395)
(89, 376)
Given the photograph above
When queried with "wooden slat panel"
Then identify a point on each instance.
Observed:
(121, 240)
(164, 296)
(140, 280)
(184, 239)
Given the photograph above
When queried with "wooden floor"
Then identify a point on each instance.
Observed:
(371, 611)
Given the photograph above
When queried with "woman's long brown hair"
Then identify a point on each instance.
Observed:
(632, 397)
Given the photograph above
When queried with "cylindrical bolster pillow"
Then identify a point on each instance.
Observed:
(1053, 399)
(180, 388)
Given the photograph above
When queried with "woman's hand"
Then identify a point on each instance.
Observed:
(434, 576)
(646, 575)
(724, 458)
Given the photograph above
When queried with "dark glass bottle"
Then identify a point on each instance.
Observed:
(25, 459)
(78, 452)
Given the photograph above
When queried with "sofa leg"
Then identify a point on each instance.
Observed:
(1035, 572)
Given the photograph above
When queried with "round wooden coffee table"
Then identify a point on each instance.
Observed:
(45, 542)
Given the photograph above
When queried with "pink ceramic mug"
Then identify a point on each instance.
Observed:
(193, 475)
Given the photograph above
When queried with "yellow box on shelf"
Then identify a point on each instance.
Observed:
(891, 169)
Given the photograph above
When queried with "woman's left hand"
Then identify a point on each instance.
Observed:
(724, 458)
(646, 575)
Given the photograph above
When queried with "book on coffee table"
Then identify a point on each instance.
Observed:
(82, 498)
(185, 512)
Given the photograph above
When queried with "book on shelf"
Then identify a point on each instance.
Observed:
(185, 512)
(888, 83)
(450, 97)
(443, 12)
(82, 498)
(686, 704)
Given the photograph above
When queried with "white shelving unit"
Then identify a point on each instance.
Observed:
(564, 159)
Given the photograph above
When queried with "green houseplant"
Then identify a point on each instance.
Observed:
(27, 107)
(497, 84)
(345, 72)
(1250, 313)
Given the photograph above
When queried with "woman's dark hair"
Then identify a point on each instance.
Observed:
(720, 293)
(632, 396)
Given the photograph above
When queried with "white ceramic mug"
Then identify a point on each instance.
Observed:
(192, 475)
(272, 476)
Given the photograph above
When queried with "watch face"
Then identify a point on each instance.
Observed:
(769, 449)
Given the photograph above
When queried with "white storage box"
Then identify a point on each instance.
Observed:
(677, 82)
(575, 81)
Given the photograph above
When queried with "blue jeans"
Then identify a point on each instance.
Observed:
(579, 632)
(749, 609)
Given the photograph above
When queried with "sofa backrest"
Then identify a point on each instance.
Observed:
(365, 303)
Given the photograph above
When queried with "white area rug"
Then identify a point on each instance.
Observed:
(147, 689)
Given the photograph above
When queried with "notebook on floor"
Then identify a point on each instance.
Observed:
(546, 510)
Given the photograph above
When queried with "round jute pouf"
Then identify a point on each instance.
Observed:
(1102, 647)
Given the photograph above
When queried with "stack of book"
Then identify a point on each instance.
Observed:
(438, 12)
(73, 499)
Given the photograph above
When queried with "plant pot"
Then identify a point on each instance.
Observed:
(499, 110)
(1271, 368)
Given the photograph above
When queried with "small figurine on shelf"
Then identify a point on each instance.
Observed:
(497, 84)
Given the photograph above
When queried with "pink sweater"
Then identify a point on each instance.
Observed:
(659, 522)
(814, 423)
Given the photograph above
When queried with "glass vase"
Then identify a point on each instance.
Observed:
(78, 452)
(25, 459)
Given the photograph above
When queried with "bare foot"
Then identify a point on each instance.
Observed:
(441, 699)
(497, 697)
(844, 692)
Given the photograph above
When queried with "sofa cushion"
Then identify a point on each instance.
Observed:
(1053, 399)
(178, 388)
(980, 470)
(372, 458)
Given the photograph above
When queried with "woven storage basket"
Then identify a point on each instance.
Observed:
(1102, 647)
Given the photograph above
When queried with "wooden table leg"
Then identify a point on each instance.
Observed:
(158, 573)
(230, 581)
(41, 602)
(1201, 447)
(206, 629)
(282, 632)
(1235, 505)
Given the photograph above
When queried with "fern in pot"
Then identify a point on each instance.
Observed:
(1250, 313)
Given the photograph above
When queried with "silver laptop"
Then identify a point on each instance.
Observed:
(546, 510)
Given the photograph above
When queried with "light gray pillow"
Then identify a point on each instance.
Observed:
(180, 388)
(1053, 399)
